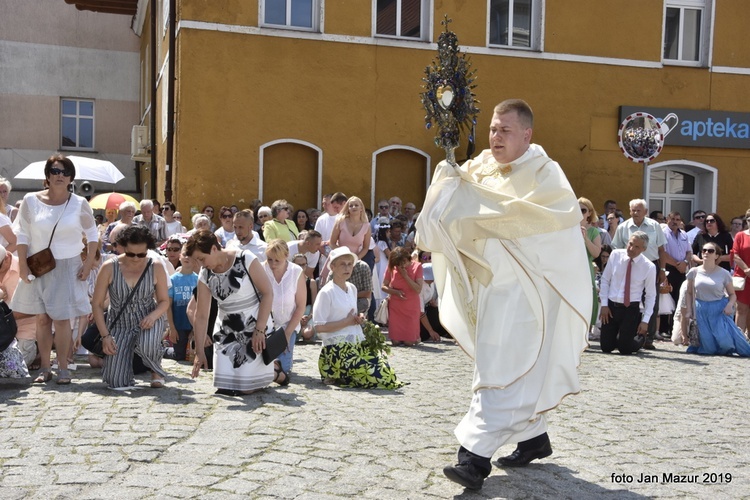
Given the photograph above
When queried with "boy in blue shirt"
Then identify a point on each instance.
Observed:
(183, 283)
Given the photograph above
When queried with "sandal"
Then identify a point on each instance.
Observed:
(63, 377)
(278, 371)
(45, 375)
(157, 383)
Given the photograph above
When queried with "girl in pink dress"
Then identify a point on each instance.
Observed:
(352, 229)
(403, 282)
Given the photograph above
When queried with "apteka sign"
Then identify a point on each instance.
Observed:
(701, 128)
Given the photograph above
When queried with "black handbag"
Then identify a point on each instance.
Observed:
(276, 342)
(8, 327)
(91, 338)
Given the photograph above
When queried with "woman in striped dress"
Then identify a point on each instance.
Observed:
(142, 320)
(232, 277)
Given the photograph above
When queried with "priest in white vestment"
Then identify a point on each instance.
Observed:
(512, 275)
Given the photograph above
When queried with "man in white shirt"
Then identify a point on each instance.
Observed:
(244, 236)
(621, 290)
(309, 246)
(654, 251)
(325, 224)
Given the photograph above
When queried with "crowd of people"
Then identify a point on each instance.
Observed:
(133, 285)
(654, 275)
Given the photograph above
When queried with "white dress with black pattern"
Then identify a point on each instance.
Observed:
(236, 366)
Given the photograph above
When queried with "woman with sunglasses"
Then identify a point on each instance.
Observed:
(142, 319)
(226, 231)
(593, 241)
(710, 299)
(61, 294)
(169, 212)
(715, 232)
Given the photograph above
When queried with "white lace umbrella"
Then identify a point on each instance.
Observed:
(87, 169)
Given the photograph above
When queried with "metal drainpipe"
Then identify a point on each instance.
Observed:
(170, 102)
(152, 112)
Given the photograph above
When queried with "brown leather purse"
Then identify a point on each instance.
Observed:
(43, 261)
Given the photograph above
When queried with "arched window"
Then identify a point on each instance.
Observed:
(401, 171)
(290, 169)
(682, 186)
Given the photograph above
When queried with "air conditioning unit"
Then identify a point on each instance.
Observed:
(139, 144)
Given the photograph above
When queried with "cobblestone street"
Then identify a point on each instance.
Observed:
(659, 415)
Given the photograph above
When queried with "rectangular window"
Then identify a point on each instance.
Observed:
(513, 22)
(401, 18)
(296, 14)
(684, 31)
(77, 124)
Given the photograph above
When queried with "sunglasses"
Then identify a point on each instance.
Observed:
(709, 221)
(708, 250)
(179, 217)
(164, 209)
(175, 249)
(136, 255)
(584, 210)
(226, 216)
(700, 216)
(59, 171)
(383, 206)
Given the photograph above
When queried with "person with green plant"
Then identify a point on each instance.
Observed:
(348, 358)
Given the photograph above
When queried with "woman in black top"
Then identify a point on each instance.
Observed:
(715, 232)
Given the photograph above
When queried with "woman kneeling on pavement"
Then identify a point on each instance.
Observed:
(344, 359)
(240, 285)
(138, 302)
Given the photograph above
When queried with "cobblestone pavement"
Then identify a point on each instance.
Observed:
(656, 413)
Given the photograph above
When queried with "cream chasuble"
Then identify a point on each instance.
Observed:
(511, 269)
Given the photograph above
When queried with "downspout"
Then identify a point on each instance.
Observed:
(169, 167)
(152, 111)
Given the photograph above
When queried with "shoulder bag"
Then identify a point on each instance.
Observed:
(276, 342)
(43, 261)
(8, 327)
(381, 313)
(91, 338)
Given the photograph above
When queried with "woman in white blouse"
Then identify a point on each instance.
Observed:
(344, 359)
(289, 297)
(7, 236)
(61, 294)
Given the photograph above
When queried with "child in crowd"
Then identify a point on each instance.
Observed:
(184, 282)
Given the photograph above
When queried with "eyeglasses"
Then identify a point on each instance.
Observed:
(226, 216)
(174, 249)
(584, 210)
(59, 171)
(700, 217)
(136, 255)
(611, 218)
(708, 250)
(383, 206)
(710, 221)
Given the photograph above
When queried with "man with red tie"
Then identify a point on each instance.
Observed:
(627, 275)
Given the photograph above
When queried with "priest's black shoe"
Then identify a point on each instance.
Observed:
(466, 474)
(523, 455)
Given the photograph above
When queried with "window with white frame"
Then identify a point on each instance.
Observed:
(685, 30)
(295, 14)
(515, 23)
(77, 124)
(402, 18)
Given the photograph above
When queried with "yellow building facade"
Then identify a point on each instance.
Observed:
(273, 100)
